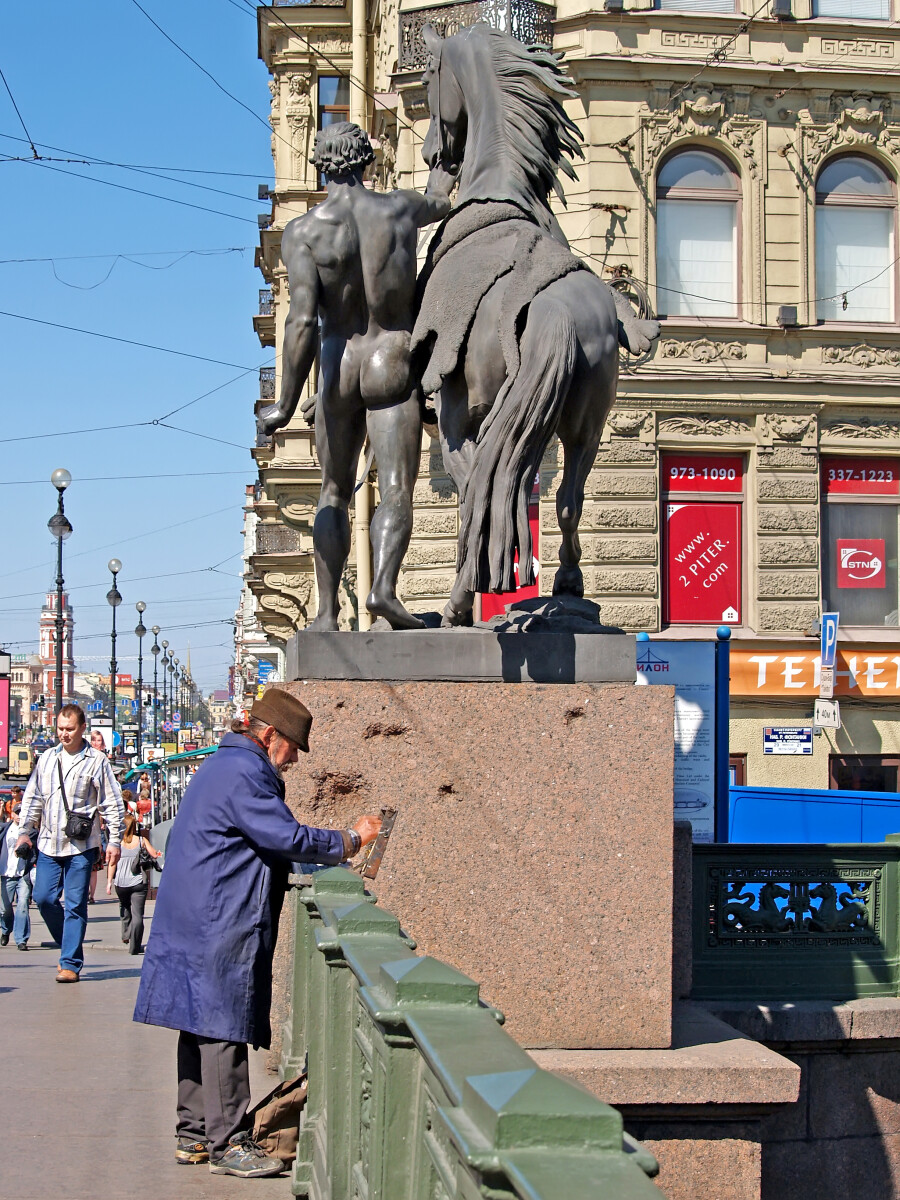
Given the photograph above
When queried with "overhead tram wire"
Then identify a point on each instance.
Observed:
(109, 337)
(211, 77)
(122, 187)
(18, 114)
(120, 478)
(131, 256)
(91, 160)
(80, 587)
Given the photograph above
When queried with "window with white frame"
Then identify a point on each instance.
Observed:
(697, 214)
(854, 10)
(855, 219)
(720, 6)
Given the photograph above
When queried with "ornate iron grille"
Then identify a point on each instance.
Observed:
(265, 302)
(308, 3)
(795, 922)
(277, 539)
(267, 383)
(527, 20)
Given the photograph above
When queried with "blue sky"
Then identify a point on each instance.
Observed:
(98, 80)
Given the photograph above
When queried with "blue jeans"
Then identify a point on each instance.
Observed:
(72, 874)
(15, 892)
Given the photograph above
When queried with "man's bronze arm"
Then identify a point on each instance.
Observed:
(301, 338)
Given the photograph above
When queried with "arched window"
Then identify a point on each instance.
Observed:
(697, 236)
(855, 219)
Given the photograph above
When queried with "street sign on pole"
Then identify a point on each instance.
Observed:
(829, 654)
(827, 714)
(829, 638)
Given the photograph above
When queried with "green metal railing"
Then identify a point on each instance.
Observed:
(796, 922)
(415, 1091)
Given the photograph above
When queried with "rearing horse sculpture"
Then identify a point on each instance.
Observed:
(516, 337)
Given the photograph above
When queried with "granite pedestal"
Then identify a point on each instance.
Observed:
(533, 847)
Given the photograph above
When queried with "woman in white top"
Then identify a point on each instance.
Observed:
(131, 885)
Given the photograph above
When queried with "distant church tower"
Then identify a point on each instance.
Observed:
(48, 650)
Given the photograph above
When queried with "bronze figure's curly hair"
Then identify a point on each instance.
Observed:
(341, 149)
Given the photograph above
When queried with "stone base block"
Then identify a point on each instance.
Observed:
(698, 1107)
(533, 846)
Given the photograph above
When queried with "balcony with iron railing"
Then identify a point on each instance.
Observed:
(527, 20)
(267, 383)
(264, 321)
(266, 307)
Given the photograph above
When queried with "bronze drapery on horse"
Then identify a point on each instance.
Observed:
(516, 338)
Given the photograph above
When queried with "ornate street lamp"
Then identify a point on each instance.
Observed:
(154, 650)
(165, 664)
(172, 661)
(60, 528)
(114, 599)
(140, 633)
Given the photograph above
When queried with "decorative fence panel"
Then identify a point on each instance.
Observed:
(415, 1091)
(529, 21)
(796, 922)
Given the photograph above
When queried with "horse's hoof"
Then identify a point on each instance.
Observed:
(455, 618)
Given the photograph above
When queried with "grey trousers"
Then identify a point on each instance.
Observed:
(131, 910)
(213, 1091)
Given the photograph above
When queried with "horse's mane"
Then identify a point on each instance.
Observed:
(532, 85)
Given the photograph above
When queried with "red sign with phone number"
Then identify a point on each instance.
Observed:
(861, 477)
(702, 473)
(703, 564)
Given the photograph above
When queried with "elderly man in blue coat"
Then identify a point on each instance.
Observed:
(208, 965)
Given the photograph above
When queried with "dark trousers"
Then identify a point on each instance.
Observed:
(213, 1091)
(131, 910)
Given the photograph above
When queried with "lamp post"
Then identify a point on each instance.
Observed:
(165, 666)
(140, 633)
(154, 650)
(60, 528)
(114, 599)
(172, 661)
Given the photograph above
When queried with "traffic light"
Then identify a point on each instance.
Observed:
(41, 701)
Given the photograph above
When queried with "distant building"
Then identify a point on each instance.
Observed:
(26, 675)
(220, 708)
(48, 653)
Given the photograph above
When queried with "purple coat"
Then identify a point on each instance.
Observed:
(208, 965)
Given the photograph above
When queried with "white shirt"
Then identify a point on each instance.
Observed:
(90, 788)
(9, 863)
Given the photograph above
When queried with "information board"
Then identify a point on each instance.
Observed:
(703, 563)
(787, 739)
(691, 668)
(4, 723)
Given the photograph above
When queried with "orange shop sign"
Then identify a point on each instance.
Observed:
(870, 671)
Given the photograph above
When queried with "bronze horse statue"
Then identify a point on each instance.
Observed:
(516, 338)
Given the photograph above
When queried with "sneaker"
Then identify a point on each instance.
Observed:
(4, 939)
(245, 1159)
(191, 1152)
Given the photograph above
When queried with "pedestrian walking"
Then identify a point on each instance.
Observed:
(72, 784)
(15, 891)
(208, 967)
(131, 884)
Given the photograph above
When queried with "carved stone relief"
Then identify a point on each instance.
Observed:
(299, 113)
(629, 423)
(703, 426)
(704, 351)
(785, 427)
(326, 41)
(870, 428)
(862, 356)
(704, 114)
(855, 119)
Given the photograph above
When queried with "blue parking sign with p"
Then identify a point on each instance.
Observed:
(829, 638)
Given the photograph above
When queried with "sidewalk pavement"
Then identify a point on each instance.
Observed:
(89, 1110)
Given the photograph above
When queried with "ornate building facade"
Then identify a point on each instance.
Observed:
(741, 171)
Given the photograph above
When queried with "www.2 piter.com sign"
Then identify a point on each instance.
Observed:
(703, 563)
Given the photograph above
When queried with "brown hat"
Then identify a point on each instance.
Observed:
(289, 716)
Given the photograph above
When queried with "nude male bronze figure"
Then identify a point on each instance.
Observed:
(351, 265)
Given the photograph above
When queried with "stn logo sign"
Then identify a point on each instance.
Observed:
(860, 562)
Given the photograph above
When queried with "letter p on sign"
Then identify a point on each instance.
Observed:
(829, 638)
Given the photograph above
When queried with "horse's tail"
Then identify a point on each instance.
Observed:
(511, 442)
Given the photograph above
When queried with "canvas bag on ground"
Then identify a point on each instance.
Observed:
(276, 1119)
